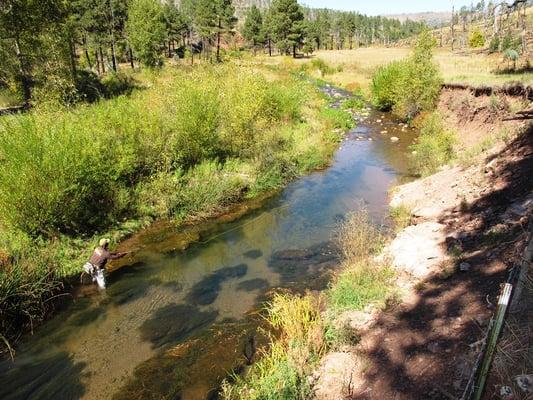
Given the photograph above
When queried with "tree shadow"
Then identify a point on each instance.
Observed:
(53, 377)
(425, 348)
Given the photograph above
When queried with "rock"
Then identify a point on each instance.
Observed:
(464, 267)
(525, 383)
(418, 249)
(369, 139)
(414, 152)
(394, 139)
(383, 132)
(506, 393)
(378, 121)
(434, 347)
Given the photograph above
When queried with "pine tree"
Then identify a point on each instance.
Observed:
(253, 30)
(287, 25)
(146, 30)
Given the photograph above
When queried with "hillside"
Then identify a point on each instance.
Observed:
(431, 18)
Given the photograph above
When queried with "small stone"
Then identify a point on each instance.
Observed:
(369, 139)
(525, 383)
(378, 121)
(433, 347)
(506, 393)
(394, 139)
(383, 131)
(414, 152)
(464, 267)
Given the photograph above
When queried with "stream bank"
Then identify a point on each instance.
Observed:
(467, 228)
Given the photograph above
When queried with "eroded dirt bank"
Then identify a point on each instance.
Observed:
(469, 226)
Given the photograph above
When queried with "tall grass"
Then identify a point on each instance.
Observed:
(281, 374)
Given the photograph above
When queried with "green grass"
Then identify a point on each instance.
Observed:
(401, 217)
(359, 285)
(281, 373)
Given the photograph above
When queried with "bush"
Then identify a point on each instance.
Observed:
(434, 147)
(322, 66)
(494, 44)
(510, 43)
(410, 86)
(386, 85)
(476, 39)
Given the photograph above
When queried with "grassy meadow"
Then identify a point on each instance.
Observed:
(185, 145)
(353, 69)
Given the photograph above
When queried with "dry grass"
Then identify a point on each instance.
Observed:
(357, 66)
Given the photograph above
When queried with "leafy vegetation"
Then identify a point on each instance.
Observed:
(434, 146)
(410, 86)
(476, 39)
(146, 30)
(48, 47)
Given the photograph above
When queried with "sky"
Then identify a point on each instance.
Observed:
(382, 7)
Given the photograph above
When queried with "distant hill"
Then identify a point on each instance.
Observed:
(430, 17)
(241, 6)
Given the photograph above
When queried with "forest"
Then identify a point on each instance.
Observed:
(56, 50)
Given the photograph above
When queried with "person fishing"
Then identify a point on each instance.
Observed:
(95, 267)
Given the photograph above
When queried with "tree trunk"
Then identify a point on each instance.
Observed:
(131, 57)
(269, 47)
(169, 50)
(25, 81)
(102, 60)
(113, 56)
(453, 26)
(97, 61)
(112, 34)
(524, 30)
(87, 51)
(293, 51)
(218, 38)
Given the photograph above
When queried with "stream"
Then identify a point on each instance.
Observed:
(177, 318)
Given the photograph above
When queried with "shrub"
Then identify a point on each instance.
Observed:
(494, 44)
(117, 84)
(476, 39)
(510, 43)
(322, 66)
(511, 55)
(410, 86)
(434, 147)
(386, 85)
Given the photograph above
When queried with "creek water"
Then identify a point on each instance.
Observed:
(174, 321)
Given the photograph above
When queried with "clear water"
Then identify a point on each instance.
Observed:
(154, 307)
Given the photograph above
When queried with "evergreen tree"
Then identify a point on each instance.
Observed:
(213, 18)
(253, 30)
(24, 27)
(287, 25)
(146, 30)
